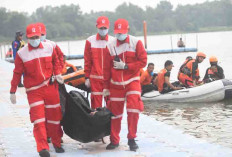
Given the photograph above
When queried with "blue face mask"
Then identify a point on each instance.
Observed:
(151, 73)
(34, 42)
(43, 37)
(121, 37)
(103, 32)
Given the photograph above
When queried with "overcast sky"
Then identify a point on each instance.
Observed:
(85, 5)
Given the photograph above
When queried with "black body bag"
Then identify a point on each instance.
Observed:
(77, 121)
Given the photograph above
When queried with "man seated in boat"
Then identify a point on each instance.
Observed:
(214, 72)
(189, 72)
(9, 53)
(147, 78)
(66, 64)
(163, 79)
(180, 43)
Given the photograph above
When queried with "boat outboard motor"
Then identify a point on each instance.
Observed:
(228, 88)
(79, 124)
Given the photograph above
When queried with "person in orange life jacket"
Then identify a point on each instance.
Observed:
(9, 53)
(66, 64)
(215, 72)
(43, 38)
(125, 56)
(147, 78)
(38, 61)
(189, 72)
(94, 60)
(188, 58)
(163, 79)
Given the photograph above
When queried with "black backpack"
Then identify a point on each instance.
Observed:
(77, 121)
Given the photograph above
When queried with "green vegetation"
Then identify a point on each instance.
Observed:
(69, 23)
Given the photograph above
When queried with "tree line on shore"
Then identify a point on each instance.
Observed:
(68, 22)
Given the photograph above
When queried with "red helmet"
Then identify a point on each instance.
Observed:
(201, 54)
(213, 59)
(42, 27)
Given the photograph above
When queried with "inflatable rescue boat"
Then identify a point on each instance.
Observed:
(209, 92)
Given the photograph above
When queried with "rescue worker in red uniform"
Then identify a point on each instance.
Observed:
(94, 60)
(214, 72)
(189, 72)
(59, 52)
(38, 61)
(163, 79)
(59, 55)
(124, 59)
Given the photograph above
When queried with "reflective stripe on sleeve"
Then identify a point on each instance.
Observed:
(96, 76)
(133, 92)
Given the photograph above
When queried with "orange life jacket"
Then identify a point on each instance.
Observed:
(161, 79)
(187, 69)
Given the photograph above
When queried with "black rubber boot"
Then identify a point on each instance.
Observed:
(59, 149)
(132, 144)
(111, 146)
(44, 153)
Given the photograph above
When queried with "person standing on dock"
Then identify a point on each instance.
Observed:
(214, 72)
(17, 44)
(94, 60)
(125, 56)
(38, 60)
(189, 72)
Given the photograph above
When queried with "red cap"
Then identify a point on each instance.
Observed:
(103, 21)
(42, 27)
(121, 26)
(33, 30)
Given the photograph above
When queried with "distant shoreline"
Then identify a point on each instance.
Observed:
(201, 30)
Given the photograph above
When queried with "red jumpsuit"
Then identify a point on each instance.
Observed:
(94, 57)
(38, 65)
(124, 85)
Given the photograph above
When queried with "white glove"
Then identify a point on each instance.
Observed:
(87, 83)
(106, 92)
(119, 65)
(13, 98)
(59, 79)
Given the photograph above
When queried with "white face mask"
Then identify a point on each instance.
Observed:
(121, 37)
(43, 37)
(103, 32)
(34, 42)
